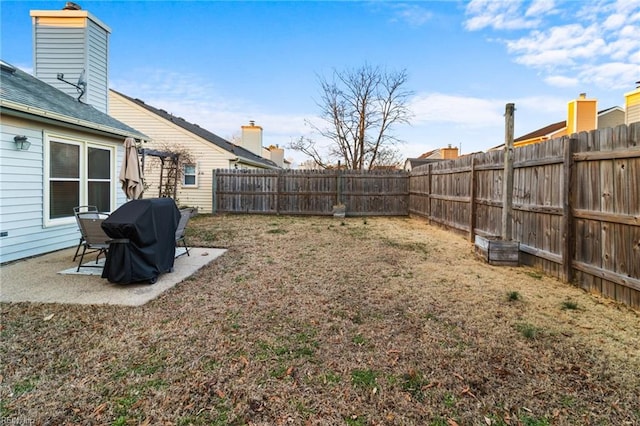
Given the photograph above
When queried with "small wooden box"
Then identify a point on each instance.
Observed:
(495, 251)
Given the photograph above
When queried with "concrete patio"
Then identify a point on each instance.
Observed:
(39, 280)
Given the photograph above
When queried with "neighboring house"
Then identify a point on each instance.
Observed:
(276, 154)
(75, 150)
(75, 42)
(632, 102)
(73, 159)
(207, 150)
(448, 153)
(583, 116)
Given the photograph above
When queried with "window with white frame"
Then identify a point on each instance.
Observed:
(189, 175)
(78, 173)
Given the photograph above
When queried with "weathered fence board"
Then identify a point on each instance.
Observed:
(576, 206)
(576, 202)
(311, 192)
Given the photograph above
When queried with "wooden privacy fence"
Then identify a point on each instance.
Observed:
(576, 202)
(576, 205)
(312, 192)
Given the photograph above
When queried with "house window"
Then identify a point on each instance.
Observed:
(189, 175)
(64, 179)
(78, 173)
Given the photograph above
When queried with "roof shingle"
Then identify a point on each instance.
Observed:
(22, 92)
(203, 133)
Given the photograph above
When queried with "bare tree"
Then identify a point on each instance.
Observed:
(359, 108)
(170, 164)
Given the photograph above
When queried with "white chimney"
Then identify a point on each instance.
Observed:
(252, 138)
(277, 155)
(72, 45)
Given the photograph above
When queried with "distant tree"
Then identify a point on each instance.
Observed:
(236, 139)
(359, 107)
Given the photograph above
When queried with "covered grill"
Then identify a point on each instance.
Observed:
(143, 245)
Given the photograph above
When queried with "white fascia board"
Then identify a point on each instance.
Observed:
(37, 112)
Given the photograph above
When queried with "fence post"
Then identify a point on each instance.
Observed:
(472, 200)
(338, 186)
(278, 190)
(507, 177)
(429, 193)
(214, 190)
(568, 231)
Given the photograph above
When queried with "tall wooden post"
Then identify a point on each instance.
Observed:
(214, 192)
(507, 177)
(568, 233)
(338, 186)
(429, 191)
(472, 201)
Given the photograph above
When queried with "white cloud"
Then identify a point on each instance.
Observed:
(552, 105)
(614, 21)
(561, 81)
(461, 110)
(197, 101)
(592, 42)
(411, 13)
(506, 15)
(562, 43)
(616, 75)
(540, 7)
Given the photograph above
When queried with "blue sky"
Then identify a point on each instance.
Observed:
(221, 64)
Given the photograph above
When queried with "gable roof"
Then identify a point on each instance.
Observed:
(202, 133)
(417, 162)
(430, 154)
(22, 94)
(551, 128)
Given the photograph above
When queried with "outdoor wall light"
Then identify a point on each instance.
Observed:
(22, 144)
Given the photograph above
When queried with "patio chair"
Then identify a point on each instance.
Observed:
(94, 238)
(82, 209)
(185, 215)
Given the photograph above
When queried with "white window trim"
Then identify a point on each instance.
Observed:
(84, 145)
(195, 185)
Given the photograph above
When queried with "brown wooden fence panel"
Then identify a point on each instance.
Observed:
(307, 192)
(607, 211)
(538, 204)
(576, 202)
(310, 192)
(375, 193)
(237, 191)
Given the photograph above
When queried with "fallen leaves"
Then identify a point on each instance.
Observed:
(277, 345)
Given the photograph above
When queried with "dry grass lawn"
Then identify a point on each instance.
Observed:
(326, 321)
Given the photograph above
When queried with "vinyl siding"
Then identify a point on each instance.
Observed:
(70, 46)
(22, 191)
(611, 118)
(633, 106)
(166, 135)
(59, 50)
(582, 116)
(97, 72)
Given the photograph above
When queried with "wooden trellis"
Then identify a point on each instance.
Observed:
(169, 171)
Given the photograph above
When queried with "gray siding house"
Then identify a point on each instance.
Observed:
(75, 148)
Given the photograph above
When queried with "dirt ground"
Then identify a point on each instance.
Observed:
(327, 321)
